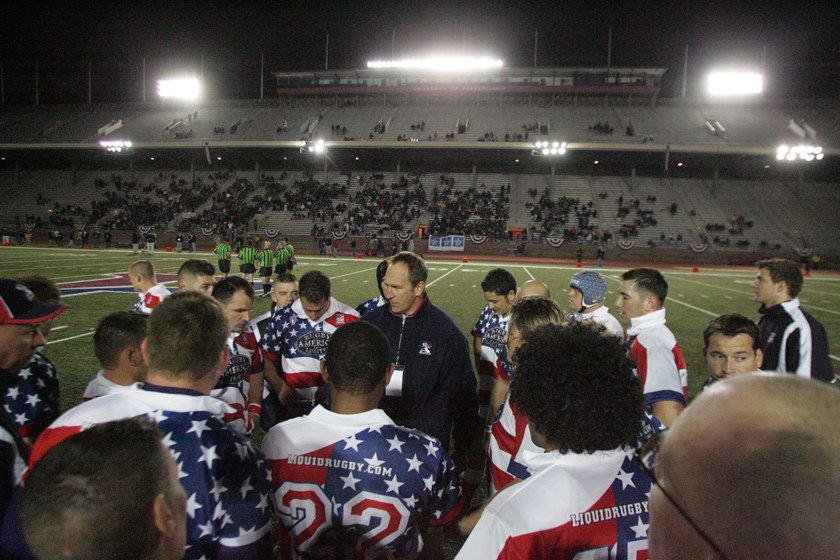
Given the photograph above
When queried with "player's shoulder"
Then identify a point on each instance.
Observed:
(345, 309)
(109, 407)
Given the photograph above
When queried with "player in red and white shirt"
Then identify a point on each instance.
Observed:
(143, 279)
(659, 360)
(296, 337)
(587, 497)
(364, 483)
(241, 384)
(116, 343)
(491, 359)
(509, 435)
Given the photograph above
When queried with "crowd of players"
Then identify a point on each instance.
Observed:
(378, 430)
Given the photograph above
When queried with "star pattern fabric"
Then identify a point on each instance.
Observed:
(225, 478)
(572, 504)
(345, 482)
(491, 329)
(33, 401)
(300, 343)
(369, 305)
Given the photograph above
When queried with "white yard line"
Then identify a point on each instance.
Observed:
(69, 338)
(528, 272)
(444, 276)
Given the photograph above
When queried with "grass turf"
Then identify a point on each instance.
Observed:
(693, 300)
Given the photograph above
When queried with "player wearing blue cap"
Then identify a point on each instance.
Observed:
(587, 292)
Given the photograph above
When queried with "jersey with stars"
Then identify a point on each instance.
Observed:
(300, 343)
(357, 483)
(225, 478)
(33, 401)
(573, 506)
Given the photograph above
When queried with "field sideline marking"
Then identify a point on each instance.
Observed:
(444, 276)
(69, 338)
(528, 272)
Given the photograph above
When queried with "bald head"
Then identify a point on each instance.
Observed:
(752, 461)
(533, 288)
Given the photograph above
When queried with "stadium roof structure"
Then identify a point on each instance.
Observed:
(493, 116)
(394, 85)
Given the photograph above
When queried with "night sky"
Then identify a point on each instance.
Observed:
(801, 41)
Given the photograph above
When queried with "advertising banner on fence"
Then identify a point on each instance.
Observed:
(448, 243)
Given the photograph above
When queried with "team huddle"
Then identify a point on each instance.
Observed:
(381, 421)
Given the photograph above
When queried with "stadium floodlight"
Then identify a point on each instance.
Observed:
(735, 83)
(546, 148)
(439, 63)
(314, 147)
(117, 146)
(188, 89)
(801, 152)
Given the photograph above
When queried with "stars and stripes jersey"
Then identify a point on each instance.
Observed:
(369, 305)
(659, 360)
(226, 480)
(491, 329)
(574, 506)
(32, 401)
(509, 439)
(600, 316)
(300, 343)
(149, 300)
(356, 485)
(232, 387)
(100, 386)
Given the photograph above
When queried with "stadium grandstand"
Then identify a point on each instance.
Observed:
(527, 160)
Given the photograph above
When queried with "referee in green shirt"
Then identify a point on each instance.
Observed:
(247, 257)
(266, 258)
(222, 250)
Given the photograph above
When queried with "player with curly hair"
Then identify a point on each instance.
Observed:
(585, 493)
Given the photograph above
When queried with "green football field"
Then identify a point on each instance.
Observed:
(89, 278)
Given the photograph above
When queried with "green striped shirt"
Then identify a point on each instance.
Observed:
(223, 250)
(266, 258)
(247, 255)
(282, 255)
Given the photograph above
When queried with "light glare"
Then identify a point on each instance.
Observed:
(444, 63)
(735, 83)
(184, 88)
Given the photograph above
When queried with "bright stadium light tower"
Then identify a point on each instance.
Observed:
(734, 83)
(117, 146)
(187, 89)
(313, 147)
(439, 63)
(801, 152)
(546, 148)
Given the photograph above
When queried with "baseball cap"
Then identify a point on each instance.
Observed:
(591, 284)
(18, 306)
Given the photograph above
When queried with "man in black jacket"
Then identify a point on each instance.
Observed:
(791, 339)
(433, 388)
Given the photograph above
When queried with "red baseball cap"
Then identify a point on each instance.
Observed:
(18, 306)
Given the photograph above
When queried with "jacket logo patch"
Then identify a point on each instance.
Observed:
(425, 349)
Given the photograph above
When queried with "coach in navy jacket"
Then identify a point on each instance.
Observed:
(436, 392)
